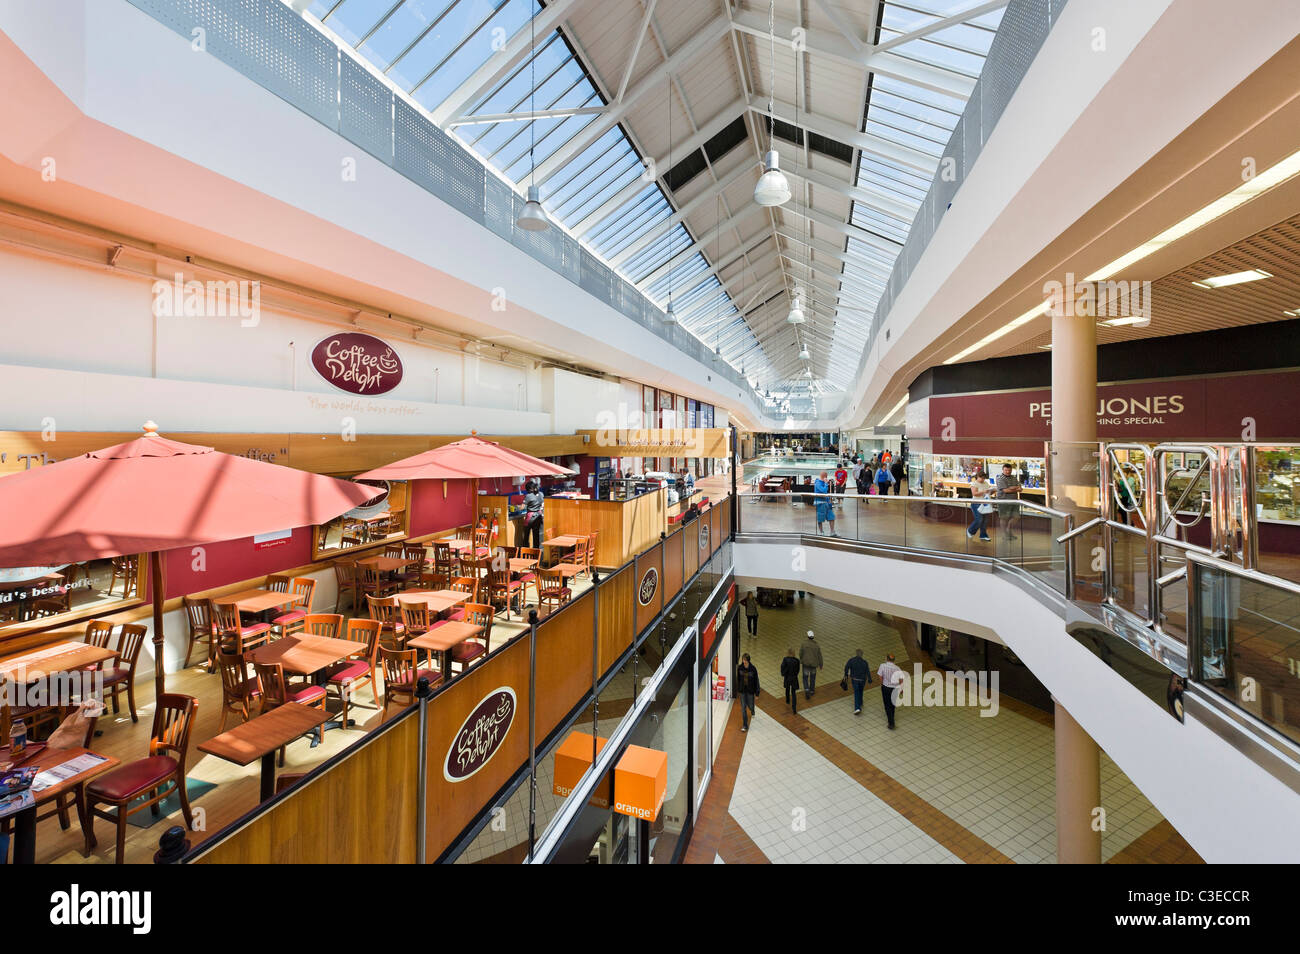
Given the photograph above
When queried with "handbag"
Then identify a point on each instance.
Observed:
(844, 683)
(986, 508)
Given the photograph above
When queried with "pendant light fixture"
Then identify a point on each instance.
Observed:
(796, 315)
(533, 218)
(670, 317)
(773, 188)
(804, 355)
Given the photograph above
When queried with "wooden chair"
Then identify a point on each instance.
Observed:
(551, 588)
(464, 584)
(401, 676)
(394, 550)
(121, 676)
(240, 692)
(416, 619)
(388, 614)
(323, 624)
(502, 590)
(42, 609)
(345, 578)
(199, 615)
(370, 582)
(442, 567)
(591, 550)
(413, 575)
(157, 777)
(578, 555)
(344, 676)
(232, 635)
(68, 800)
(530, 576)
(278, 691)
(128, 568)
(278, 583)
(353, 535)
(479, 614)
(303, 589)
(99, 633)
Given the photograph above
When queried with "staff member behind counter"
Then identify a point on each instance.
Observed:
(534, 510)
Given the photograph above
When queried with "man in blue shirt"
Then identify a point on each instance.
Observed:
(825, 506)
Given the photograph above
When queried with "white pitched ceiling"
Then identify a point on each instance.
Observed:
(644, 123)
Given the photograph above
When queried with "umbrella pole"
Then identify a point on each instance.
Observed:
(158, 588)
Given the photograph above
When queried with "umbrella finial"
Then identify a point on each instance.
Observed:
(473, 432)
(150, 429)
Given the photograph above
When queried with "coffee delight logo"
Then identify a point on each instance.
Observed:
(649, 585)
(481, 735)
(357, 363)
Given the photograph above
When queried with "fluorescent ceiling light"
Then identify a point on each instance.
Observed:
(1294, 313)
(1004, 330)
(897, 407)
(1128, 320)
(1270, 177)
(1236, 278)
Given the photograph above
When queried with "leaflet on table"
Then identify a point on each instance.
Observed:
(66, 770)
(13, 804)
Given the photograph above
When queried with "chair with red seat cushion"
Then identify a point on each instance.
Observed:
(294, 618)
(415, 620)
(502, 589)
(240, 692)
(122, 675)
(463, 584)
(414, 572)
(278, 691)
(401, 676)
(156, 777)
(387, 612)
(345, 676)
(329, 625)
(480, 614)
(551, 588)
(232, 635)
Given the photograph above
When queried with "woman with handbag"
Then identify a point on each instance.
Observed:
(981, 488)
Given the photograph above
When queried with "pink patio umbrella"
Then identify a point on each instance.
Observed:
(468, 459)
(152, 494)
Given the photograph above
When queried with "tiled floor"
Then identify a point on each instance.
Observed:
(825, 785)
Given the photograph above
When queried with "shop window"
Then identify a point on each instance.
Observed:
(1277, 481)
(382, 518)
(49, 593)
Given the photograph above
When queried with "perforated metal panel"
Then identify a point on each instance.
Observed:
(425, 154)
(543, 246)
(597, 279)
(365, 110)
(498, 207)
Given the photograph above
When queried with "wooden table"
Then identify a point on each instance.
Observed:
(567, 570)
(306, 655)
(54, 659)
(565, 540)
(258, 601)
(385, 564)
(263, 736)
(444, 639)
(522, 565)
(25, 820)
(438, 601)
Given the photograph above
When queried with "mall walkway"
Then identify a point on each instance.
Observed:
(947, 786)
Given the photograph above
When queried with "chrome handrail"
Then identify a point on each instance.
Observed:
(950, 501)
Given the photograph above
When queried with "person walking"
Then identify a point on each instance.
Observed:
(750, 603)
(981, 489)
(790, 679)
(747, 689)
(534, 514)
(825, 507)
(841, 478)
(883, 479)
(890, 679)
(858, 672)
(899, 472)
(810, 659)
(1008, 489)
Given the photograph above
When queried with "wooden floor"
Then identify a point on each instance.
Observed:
(237, 788)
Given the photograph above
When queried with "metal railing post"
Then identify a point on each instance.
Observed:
(1249, 526)
(1155, 494)
(422, 693)
(1069, 558)
(532, 731)
(595, 661)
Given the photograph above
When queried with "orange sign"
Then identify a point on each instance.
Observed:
(572, 759)
(641, 782)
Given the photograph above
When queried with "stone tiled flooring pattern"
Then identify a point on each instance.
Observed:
(946, 786)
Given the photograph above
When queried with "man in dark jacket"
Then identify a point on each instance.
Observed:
(790, 678)
(858, 672)
(897, 470)
(746, 689)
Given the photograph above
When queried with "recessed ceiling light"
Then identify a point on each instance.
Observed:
(1294, 312)
(1045, 347)
(1236, 278)
(1127, 320)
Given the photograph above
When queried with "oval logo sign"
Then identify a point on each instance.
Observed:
(357, 363)
(704, 536)
(649, 585)
(480, 735)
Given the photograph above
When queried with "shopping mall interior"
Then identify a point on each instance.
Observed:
(650, 431)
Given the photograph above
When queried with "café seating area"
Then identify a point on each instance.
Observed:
(285, 672)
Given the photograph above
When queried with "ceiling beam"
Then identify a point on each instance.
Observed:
(942, 24)
(501, 63)
(922, 162)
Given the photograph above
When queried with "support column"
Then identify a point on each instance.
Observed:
(1074, 488)
(1078, 793)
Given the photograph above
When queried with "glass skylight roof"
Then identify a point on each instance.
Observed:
(432, 49)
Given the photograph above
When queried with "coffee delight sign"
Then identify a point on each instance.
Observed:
(357, 363)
